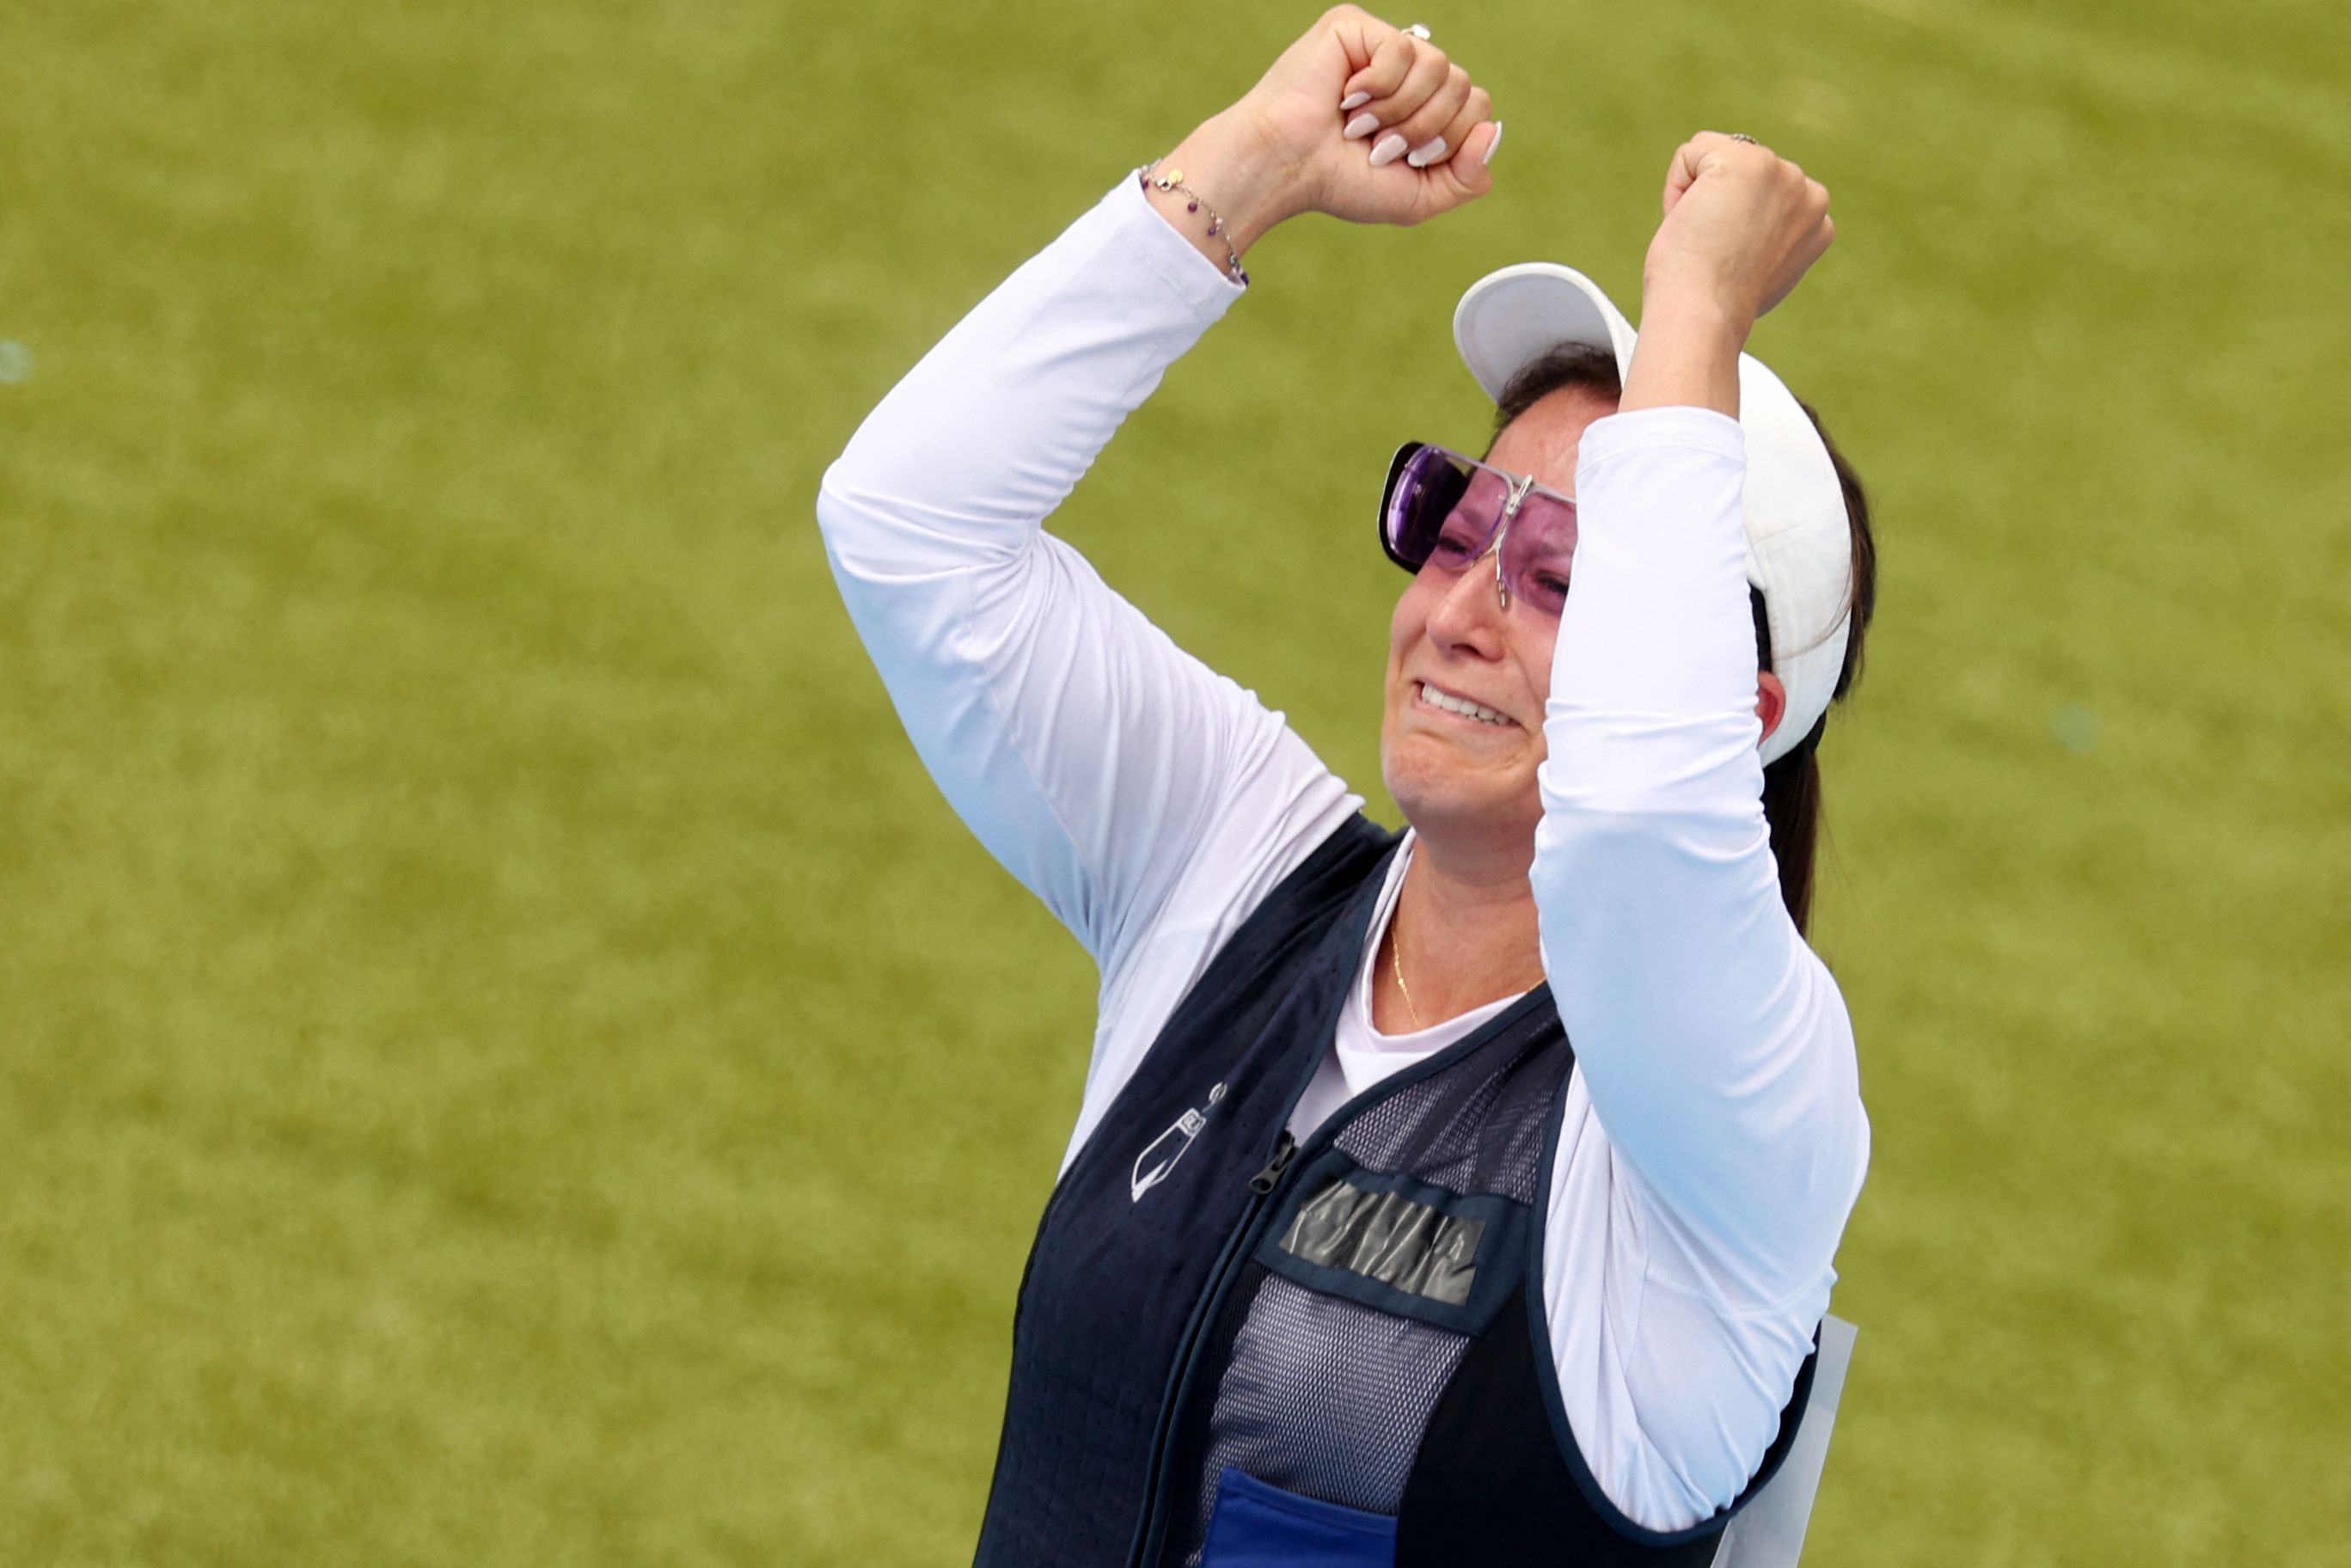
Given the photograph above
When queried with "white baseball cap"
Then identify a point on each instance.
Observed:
(1798, 538)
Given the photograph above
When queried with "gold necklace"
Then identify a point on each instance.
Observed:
(1395, 963)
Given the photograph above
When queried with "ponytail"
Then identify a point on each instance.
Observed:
(1792, 806)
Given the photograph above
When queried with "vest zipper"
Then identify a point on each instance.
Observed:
(1285, 1151)
(1236, 1249)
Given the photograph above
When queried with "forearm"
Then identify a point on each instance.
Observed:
(1085, 750)
(1687, 355)
(965, 458)
(1715, 1046)
(1235, 179)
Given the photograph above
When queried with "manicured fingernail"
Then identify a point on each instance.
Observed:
(1390, 148)
(1423, 156)
(1488, 158)
(1353, 100)
(1361, 125)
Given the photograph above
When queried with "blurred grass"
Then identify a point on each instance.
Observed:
(504, 1058)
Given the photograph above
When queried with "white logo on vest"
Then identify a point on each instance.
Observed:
(1159, 1157)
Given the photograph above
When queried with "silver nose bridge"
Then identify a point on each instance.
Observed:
(1518, 489)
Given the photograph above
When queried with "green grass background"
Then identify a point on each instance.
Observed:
(505, 1059)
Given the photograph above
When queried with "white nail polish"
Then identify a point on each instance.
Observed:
(1423, 156)
(1390, 148)
(1488, 158)
(1353, 100)
(1361, 125)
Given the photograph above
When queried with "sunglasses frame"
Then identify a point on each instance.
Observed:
(1522, 487)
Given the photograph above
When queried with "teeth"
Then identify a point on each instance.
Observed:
(1461, 706)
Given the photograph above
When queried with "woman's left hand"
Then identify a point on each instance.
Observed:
(1743, 225)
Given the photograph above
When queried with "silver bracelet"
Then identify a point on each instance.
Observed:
(1173, 180)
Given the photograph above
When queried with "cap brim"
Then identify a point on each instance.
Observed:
(1513, 316)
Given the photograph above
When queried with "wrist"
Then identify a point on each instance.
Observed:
(1694, 308)
(1239, 174)
(1687, 352)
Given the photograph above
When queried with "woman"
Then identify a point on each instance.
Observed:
(1468, 1196)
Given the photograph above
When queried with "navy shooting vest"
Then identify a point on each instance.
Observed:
(1235, 1350)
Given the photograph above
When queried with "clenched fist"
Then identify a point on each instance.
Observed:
(1355, 98)
(1742, 225)
(1358, 118)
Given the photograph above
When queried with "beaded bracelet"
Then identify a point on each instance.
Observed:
(1173, 180)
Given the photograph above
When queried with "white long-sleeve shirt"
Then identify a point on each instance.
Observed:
(1713, 1141)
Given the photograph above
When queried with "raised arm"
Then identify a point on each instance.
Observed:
(1096, 760)
(1714, 1044)
(1078, 743)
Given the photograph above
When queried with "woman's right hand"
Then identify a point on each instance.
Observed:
(1423, 131)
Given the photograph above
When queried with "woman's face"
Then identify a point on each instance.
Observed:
(1461, 776)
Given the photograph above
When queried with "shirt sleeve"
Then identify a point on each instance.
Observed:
(1100, 764)
(1714, 1044)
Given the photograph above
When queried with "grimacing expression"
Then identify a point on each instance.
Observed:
(1461, 729)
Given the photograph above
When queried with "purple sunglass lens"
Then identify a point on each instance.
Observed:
(1543, 526)
(1540, 552)
(1443, 508)
(1423, 494)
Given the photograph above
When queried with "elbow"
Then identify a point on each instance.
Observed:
(868, 546)
(870, 538)
(876, 533)
(840, 508)
(860, 500)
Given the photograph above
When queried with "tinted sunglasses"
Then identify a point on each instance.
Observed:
(1443, 512)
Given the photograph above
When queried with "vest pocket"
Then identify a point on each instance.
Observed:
(1256, 1525)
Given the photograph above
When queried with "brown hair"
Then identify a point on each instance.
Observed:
(1791, 786)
